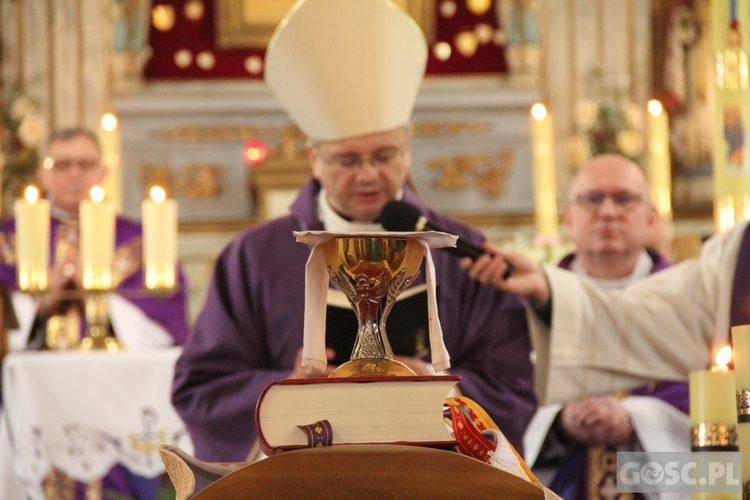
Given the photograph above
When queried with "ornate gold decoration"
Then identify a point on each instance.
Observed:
(707, 434)
(198, 181)
(249, 24)
(63, 330)
(291, 147)
(743, 405)
(428, 129)
(217, 133)
(127, 260)
(163, 17)
(7, 249)
(484, 172)
(202, 181)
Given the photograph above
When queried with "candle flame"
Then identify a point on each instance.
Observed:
(539, 111)
(31, 194)
(158, 194)
(723, 356)
(109, 122)
(97, 194)
(655, 107)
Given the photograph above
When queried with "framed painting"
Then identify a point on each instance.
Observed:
(249, 24)
(683, 82)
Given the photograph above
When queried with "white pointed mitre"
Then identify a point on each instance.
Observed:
(345, 68)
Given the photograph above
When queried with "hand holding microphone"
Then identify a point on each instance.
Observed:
(401, 216)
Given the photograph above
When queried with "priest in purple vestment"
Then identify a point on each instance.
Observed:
(71, 167)
(351, 88)
(571, 446)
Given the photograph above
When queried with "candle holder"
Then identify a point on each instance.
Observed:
(96, 317)
(97, 324)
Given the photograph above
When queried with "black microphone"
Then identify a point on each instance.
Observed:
(401, 216)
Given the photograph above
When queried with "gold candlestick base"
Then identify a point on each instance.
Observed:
(97, 321)
(98, 343)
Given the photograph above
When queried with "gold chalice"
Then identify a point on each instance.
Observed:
(372, 272)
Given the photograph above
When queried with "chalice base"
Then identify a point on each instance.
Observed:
(372, 367)
(97, 343)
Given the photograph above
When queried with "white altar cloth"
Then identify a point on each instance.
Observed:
(84, 412)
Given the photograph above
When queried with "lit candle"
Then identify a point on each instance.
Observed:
(741, 347)
(159, 216)
(97, 240)
(32, 240)
(545, 184)
(713, 407)
(109, 140)
(659, 163)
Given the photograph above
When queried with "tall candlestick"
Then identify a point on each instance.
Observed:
(659, 164)
(159, 216)
(110, 142)
(545, 184)
(32, 241)
(97, 240)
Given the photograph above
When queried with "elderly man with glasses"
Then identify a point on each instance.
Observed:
(351, 89)
(70, 167)
(570, 446)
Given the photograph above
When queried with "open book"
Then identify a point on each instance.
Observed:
(395, 410)
(407, 325)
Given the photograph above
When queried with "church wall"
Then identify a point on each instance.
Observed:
(73, 60)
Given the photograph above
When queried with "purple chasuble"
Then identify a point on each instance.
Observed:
(249, 332)
(740, 309)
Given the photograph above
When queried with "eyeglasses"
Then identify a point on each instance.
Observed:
(382, 158)
(624, 200)
(65, 164)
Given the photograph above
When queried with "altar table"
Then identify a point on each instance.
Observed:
(84, 412)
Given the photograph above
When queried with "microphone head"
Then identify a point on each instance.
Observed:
(400, 216)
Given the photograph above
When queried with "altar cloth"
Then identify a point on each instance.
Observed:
(84, 412)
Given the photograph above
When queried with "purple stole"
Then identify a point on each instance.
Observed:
(739, 313)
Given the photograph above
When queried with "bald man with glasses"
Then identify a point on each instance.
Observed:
(611, 222)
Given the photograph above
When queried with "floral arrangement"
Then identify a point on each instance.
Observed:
(544, 249)
(610, 124)
(22, 130)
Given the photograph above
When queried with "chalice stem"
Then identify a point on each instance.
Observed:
(371, 341)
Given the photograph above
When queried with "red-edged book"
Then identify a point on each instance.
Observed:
(300, 413)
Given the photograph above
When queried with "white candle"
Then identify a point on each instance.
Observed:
(713, 401)
(545, 184)
(159, 216)
(97, 240)
(109, 140)
(32, 241)
(659, 163)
